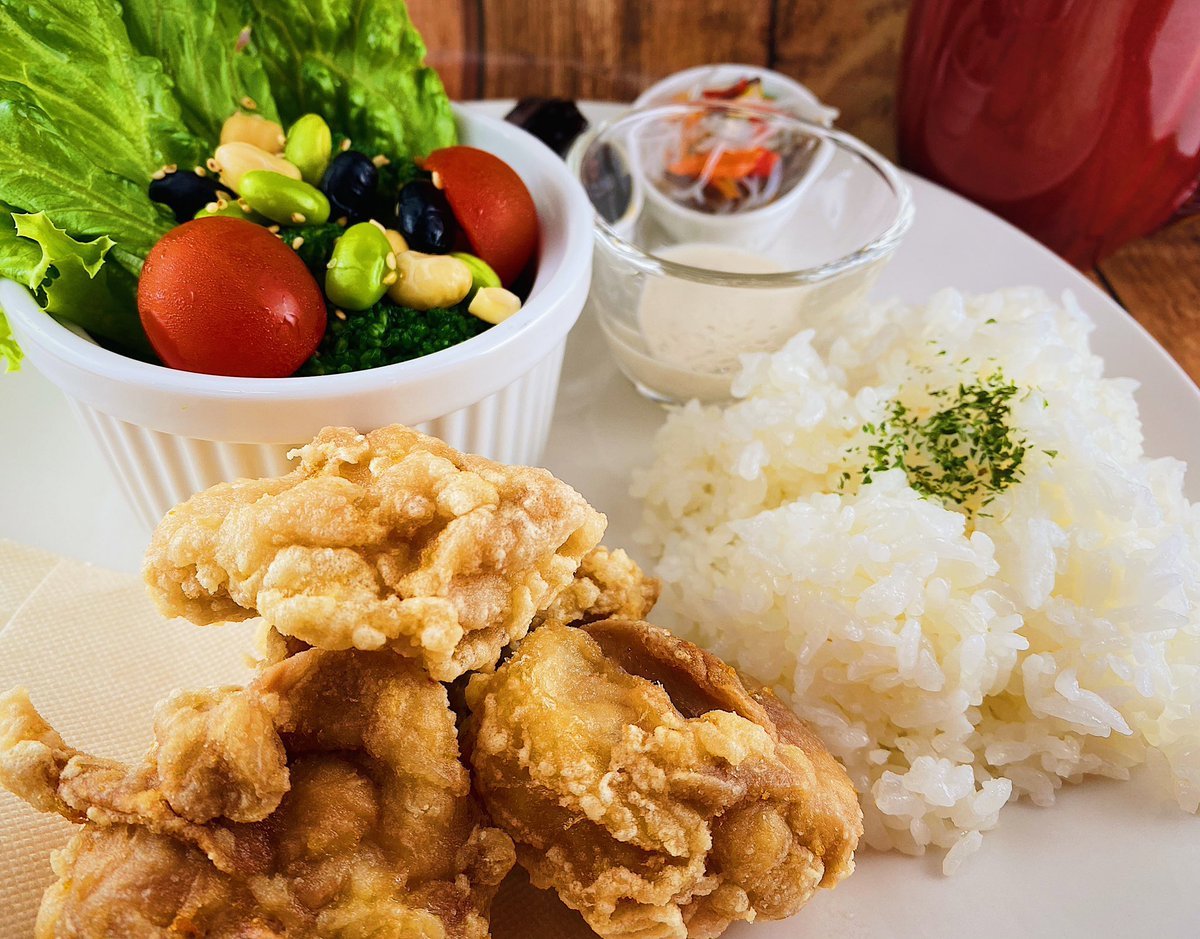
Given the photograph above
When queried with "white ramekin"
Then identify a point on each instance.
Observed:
(168, 434)
(752, 229)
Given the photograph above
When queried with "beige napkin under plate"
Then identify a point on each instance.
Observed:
(96, 657)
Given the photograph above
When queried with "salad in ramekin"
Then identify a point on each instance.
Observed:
(246, 191)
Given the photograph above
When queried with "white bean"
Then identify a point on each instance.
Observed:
(494, 304)
(426, 281)
(253, 129)
(396, 240)
(239, 158)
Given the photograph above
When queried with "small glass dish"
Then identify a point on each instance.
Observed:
(688, 278)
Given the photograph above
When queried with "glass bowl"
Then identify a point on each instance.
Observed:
(695, 265)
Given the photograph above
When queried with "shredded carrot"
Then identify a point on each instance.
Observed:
(727, 187)
(732, 164)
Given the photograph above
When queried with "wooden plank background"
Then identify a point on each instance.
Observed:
(846, 51)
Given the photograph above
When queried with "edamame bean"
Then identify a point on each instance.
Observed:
(358, 268)
(283, 200)
(309, 146)
(233, 208)
(482, 274)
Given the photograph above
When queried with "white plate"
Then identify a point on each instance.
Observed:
(1111, 859)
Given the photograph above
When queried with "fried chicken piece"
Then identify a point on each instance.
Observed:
(389, 539)
(103, 870)
(325, 799)
(646, 784)
(607, 584)
(216, 753)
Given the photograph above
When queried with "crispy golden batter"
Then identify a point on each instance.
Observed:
(607, 584)
(325, 799)
(645, 783)
(390, 539)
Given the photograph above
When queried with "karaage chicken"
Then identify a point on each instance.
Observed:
(647, 785)
(607, 584)
(325, 799)
(391, 538)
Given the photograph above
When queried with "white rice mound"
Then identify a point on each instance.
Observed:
(951, 663)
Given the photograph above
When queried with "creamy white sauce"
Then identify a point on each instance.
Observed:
(689, 335)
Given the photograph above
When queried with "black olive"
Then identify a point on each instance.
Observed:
(424, 218)
(556, 122)
(349, 184)
(185, 192)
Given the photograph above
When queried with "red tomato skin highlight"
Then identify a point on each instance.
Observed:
(492, 205)
(223, 296)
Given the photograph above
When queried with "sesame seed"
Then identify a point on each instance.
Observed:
(340, 315)
(297, 242)
(437, 180)
(390, 278)
(159, 174)
(298, 217)
(331, 265)
(346, 144)
(272, 228)
(210, 207)
(213, 165)
(391, 260)
(249, 103)
(170, 168)
(222, 203)
(342, 221)
(378, 224)
(244, 206)
(199, 171)
(380, 160)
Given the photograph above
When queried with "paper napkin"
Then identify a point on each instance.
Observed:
(96, 657)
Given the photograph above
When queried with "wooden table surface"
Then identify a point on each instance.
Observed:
(846, 51)
(1157, 279)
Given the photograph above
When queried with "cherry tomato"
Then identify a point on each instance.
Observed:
(224, 296)
(492, 205)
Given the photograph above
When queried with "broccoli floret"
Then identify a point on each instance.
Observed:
(395, 174)
(317, 247)
(385, 334)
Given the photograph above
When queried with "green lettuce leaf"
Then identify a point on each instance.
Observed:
(358, 63)
(203, 52)
(77, 65)
(42, 169)
(17, 258)
(72, 281)
(10, 353)
(84, 122)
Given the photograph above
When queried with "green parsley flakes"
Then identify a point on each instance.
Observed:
(962, 449)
